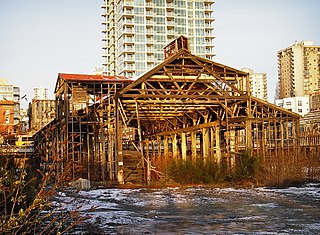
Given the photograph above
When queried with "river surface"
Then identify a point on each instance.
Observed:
(198, 210)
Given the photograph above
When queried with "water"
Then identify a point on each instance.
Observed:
(199, 210)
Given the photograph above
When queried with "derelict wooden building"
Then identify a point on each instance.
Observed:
(185, 107)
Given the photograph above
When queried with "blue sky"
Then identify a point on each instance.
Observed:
(40, 38)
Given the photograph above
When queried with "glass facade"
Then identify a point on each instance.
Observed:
(136, 31)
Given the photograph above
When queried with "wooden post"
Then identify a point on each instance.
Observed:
(165, 147)
(153, 153)
(174, 146)
(144, 165)
(111, 157)
(103, 153)
(232, 148)
(119, 154)
(194, 145)
(184, 146)
(249, 127)
(159, 146)
(212, 143)
(264, 143)
(148, 162)
(218, 147)
(88, 155)
(205, 143)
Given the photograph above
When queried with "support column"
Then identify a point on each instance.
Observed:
(159, 146)
(153, 152)
(249, 127)
(165, 147)
(119, 151)
(103, 154)
(174, 146)
(211, 143)
(205, 143)
(232, 141)
(184, 146)
(141, 144)
(218, 147)
(194, 145)
(148, 162)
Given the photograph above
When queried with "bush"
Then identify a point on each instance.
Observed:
(25, 206)
(247, 166)
(198, 172)
(209, 172)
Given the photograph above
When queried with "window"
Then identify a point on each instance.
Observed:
(140, 56)
(139, 11)
(139, 20)
(199, 23)
(299, 102)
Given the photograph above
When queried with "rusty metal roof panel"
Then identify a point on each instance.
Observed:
(93, 78)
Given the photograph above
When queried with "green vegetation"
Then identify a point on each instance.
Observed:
(209, 172)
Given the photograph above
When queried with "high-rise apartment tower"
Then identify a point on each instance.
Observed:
(258, 84)
(136, 31)
(299, 70)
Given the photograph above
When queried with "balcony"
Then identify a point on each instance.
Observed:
(208, 26)
(149, 23)
(170, 5)
(129, 67)
(149, 5)
(150, 50)
(128, 49)
(171, 32)
(208, 8)
(129, 58)
(149, 14)
(149, 32)
(170, 15)
(208, 17)
(209, 52)
(209, 34)
(170, 23)
(128, 41)
(128, 12)
(128, 3)
(128, 21)
(128, 31)
(150, 41)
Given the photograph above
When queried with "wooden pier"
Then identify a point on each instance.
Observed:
(187, 107)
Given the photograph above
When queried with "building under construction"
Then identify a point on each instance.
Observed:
(113, 128)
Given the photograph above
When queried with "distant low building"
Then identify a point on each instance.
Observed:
(24, 120)
(42, 112)
(6, 117)
(300, 105)
(9, 92)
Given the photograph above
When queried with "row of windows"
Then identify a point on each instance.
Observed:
(178, 3)
(162, 21)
